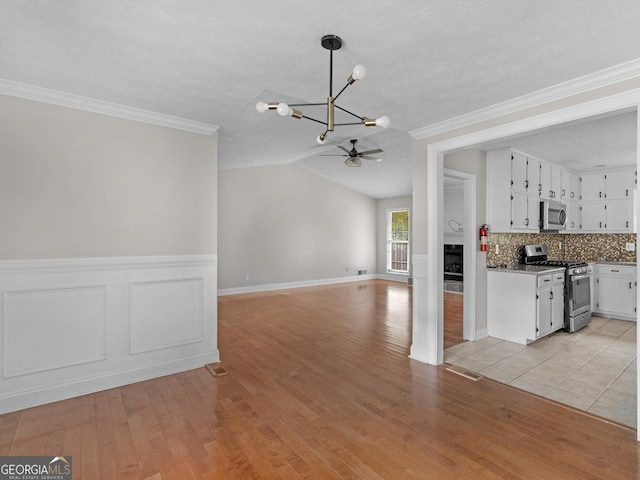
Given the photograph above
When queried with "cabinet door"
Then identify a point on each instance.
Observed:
(574, 194)
(543, 317)
(619, 184)
(619, 216)
(573, 216)
(546, 192)
(556, 182)
(519, 211)
(565, 185)
(593, 217)
(557, 306)
(615, 295)
(592, 187)
(533, 176)
(519, 182)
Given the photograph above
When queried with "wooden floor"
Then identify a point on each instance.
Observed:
(320, 386)
(453, 313)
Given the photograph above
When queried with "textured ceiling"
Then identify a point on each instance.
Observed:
(211, 61)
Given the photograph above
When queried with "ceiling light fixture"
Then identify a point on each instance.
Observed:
(331, 43)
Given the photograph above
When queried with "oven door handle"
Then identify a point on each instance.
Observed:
(580, 277)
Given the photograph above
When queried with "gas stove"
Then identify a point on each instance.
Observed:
(577, 311)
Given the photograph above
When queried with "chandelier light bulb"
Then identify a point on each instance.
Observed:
(359, 72)
(283, 109)
(321, 139)
(262, 107)
(383, 121)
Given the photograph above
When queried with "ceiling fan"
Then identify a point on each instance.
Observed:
(354, 156)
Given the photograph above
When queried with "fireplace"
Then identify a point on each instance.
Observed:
(453, 256)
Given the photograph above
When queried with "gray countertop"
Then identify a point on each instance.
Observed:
(528, 269)
(615, 262)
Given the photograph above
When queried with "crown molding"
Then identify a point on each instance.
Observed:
(40, 94)
(602, 78)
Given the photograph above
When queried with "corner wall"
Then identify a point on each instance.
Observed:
(281, 226)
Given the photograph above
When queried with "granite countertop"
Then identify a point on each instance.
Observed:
(528, 269)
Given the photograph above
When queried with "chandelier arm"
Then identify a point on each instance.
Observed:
(307, 104)
(314, 120)
(350, 113)
(340, 92)
(345, 124)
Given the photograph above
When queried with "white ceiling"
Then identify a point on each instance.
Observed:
(212, 61)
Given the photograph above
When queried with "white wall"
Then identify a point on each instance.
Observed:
(107, 252)
(453, 214)
(282, 225)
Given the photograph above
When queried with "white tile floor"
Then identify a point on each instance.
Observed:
(593, 369)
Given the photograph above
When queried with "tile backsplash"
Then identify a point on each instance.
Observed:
(588, 247)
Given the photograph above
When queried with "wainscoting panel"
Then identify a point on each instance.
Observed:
(53, 328)
(76, 326)
(155, 306)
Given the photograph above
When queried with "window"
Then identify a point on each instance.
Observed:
(398, 241)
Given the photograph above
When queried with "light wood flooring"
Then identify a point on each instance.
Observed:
(453, 313)
(320, 386)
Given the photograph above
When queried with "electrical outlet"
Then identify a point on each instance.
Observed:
(497, 248)
(246, 277)
(631, 247)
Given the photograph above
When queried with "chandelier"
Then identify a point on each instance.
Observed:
(331, 43)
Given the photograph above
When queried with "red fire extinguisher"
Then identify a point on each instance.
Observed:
(484, 232)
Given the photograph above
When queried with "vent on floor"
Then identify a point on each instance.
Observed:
(465, 373)
(216, 369)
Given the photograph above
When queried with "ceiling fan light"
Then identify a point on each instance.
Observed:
(262, 107)
(283, 109)
(359, 72)
(353, 162)
(383, 121)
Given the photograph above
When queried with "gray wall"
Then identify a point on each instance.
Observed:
(79, 184)
(282, 224)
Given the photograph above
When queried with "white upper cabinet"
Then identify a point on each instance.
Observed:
(619, 184)
(550, 181)
(592, 187)
(569, 186)
(607, 200)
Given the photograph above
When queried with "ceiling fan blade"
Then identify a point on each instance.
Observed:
(371, 158)
(343, 148)
(327, 155)
(377, 150)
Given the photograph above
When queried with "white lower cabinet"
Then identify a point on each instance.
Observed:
(523, 307)
(615, 291)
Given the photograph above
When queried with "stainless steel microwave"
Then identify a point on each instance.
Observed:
(553, 216)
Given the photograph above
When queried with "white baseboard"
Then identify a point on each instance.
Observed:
(287, 285)
(70, 327)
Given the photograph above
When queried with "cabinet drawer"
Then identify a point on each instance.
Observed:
(558, 277)
(617, 270)
(546, 279)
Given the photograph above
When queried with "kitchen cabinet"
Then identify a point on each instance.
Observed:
(513, 182)
(550, 181)
(569, 186)
(523, 307)
(616, 290)
(607, 200)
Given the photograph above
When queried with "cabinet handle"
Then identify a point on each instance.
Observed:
(550, 295)
(526, 184)
(626, 192)
(572, 194)
(614, 270)
(563, 192)
(526, 221)
(600, 224)
(627, 223)
(540, 187)
(630, 285)
(600, 194)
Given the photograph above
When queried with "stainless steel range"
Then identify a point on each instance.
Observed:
(577, 285)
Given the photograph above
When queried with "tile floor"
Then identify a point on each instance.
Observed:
(593, 369)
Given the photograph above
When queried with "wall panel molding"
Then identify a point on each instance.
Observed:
(75, 326)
